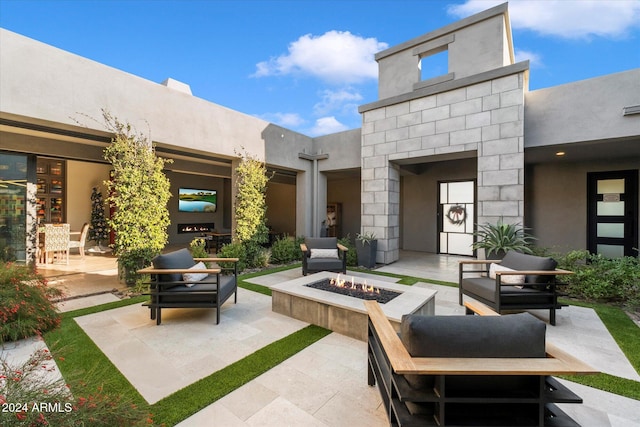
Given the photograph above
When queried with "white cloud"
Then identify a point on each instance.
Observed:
(535, 60)
(570, 19)
(288, 120)
(327, 125)
(336, 56)
(343, 100)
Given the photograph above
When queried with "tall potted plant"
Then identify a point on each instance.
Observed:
(497, 239)
(139, 192)
(366, 247)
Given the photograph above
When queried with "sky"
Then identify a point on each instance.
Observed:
(308, 64)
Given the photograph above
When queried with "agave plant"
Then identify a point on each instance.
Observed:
(501, 237)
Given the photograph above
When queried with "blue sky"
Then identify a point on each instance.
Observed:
(308, 64)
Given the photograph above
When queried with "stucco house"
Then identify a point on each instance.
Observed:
(433, 158)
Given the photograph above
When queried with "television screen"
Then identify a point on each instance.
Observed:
(195, 200)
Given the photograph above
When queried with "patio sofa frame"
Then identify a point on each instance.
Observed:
(540, 290)
(211, 292)
(458, 394)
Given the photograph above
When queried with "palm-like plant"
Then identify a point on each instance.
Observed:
(494, 238)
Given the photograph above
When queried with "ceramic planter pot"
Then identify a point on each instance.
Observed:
(366, 253)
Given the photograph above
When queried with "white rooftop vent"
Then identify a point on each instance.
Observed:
(176, 85)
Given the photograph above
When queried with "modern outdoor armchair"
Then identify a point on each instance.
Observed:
(323, 254)
(180, 281)
(518, 282)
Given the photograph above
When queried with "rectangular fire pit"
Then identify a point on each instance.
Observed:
(345, 314)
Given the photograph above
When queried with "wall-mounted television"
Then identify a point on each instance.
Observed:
(197, 200)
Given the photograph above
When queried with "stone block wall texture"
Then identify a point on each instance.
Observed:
(485, 117)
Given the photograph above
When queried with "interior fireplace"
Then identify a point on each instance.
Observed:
(197, 227)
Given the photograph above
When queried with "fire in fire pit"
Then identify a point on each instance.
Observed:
(353, 289)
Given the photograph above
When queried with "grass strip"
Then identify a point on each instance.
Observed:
(610, 383)
(102, 307)
(253, 287)
(189, 400)
(80, 360)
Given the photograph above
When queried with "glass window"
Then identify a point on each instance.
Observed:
(13, 209)
(611, 251)
(615, 230)
(610, 208)
(614, 186)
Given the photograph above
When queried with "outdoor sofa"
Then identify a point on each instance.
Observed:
(515, 283)
(177, 280)
(469, 370)
(323, 254)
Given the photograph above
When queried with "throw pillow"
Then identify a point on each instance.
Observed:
(195, 277)
(507, 279)
(324, 253)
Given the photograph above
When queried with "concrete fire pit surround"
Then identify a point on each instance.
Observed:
(341, 313)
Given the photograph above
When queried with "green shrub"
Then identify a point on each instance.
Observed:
(234, 250)
(352, 257)
(254, 253)
(25, 303)
(603, 279)
(133, 260)
(285, 250)
(261, 258)
(198, 248)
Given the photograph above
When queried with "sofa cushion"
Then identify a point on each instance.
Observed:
(324, 253)
(180, 259)
(518, 261)
(324, 264)
(485, 288)
(321, 242)
(515, 335)
(195, 277)
(202, 292)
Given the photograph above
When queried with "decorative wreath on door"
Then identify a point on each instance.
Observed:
(457, 214)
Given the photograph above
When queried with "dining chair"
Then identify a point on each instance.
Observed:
(56, 241)
(79, 244)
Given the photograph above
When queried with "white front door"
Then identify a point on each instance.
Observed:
(456, 212)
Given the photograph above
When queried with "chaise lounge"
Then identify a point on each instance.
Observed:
(518, 282)
(180, 281)
(469, 370)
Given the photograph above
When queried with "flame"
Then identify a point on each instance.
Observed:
(339, 282)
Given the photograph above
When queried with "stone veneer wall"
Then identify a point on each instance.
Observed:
(485, 117)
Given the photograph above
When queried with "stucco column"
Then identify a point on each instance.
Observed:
(304, 204)
(321, 206)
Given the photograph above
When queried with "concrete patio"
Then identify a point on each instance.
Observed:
(323, 385)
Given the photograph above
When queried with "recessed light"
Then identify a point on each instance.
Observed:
(560, 153)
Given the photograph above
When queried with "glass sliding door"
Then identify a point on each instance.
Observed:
(13, 207)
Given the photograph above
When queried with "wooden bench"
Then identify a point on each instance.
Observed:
(467, 391)
(169, 289)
